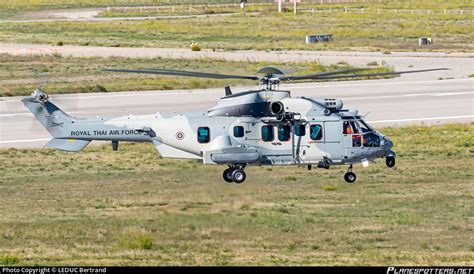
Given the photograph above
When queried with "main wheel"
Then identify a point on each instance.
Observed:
(238, 176)
(390, 161)
(350, 177)
(227, 175)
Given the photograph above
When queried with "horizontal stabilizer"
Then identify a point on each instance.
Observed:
(68, 144)
(167, 151)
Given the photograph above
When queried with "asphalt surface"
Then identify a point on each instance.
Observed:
(89, 18)
(388, 102)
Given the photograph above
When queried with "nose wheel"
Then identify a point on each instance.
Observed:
(390, 161)
(350, 176)
(235, 174)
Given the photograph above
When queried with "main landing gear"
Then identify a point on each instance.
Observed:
(235, 174)
(350, 176)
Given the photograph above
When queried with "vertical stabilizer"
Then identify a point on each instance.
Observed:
(48, 114)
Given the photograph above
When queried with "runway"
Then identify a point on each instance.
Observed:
(389, 102)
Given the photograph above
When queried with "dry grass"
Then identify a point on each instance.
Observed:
(270, 30)
(130, 207)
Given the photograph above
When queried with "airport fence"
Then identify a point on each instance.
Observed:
(304, 6)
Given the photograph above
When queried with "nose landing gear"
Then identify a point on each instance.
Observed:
(350, 176)
(390, 161)
(235, 174)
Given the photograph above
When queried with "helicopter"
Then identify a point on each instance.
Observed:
(261, 127)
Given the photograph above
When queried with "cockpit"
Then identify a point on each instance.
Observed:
(362, 134)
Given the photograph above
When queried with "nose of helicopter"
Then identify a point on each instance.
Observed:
(386, 143)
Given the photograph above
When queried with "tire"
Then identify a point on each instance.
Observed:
(238, 176)
(227, 175)
(350, 177)
(390, 161)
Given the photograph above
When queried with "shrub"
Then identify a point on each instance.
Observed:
(330, 187)
(139, 241)
(373, 63)
(9, 260)
(195, 46)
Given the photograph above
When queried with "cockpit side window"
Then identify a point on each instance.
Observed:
(356, 140)
(346, 128)
(354, 127)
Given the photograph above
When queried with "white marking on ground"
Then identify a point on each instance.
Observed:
(422, 119)
(409, 95)
(118, 96)
(28, 114)
(24, 141)
(375, 84)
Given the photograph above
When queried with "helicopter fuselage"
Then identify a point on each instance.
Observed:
(310, 137)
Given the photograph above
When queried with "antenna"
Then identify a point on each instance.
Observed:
(43, 79)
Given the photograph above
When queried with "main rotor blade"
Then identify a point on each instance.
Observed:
(378, 74)
(318, 75)
(184, 73)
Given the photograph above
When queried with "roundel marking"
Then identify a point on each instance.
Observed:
(180, 135)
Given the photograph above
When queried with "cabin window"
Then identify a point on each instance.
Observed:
(239, 131)
(284, 132)
(316, 132)
(267, 133)
(300, 130)
(204, 135)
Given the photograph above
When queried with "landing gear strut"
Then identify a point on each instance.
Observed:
(235, 174)
(350, 176)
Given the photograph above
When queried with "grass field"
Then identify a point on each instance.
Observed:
(130, 207)
(20, 75)
(269, 30)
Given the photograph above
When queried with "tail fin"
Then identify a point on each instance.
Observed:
(48, 114)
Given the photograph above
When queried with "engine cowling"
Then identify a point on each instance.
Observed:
(277, 108)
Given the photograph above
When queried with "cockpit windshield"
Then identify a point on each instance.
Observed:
(357, 127)
(371, 139)
(364, 126)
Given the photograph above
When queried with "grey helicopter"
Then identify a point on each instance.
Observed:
(260, 127)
